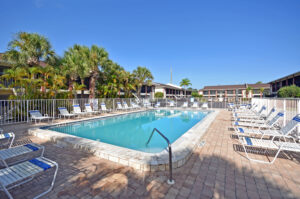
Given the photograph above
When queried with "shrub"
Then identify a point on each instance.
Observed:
(289, 91)
(195, 94)
(159, 95)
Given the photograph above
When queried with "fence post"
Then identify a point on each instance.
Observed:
(27, 111)
(54, 105)
(284, 111)
(114, 104)
(298, 112)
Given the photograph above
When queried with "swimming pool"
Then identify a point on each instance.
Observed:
(133, 130)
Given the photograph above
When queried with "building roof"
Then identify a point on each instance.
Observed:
(286, 77)
(235, 86)
(168, 85)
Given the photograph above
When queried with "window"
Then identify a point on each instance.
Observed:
(212, 92)
(256, 91)
(240, 91)
(205, 92)
(229, 92)
(221, 92)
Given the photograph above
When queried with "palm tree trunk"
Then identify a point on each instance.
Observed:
(93, 84)
(82, 91)
(139, 91)
(70, 87)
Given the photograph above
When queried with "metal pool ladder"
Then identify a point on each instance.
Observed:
(170, 180)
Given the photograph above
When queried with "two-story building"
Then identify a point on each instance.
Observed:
(292, 79)
(234, 91)
(168, 90)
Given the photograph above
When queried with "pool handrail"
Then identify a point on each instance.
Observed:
(170, 180)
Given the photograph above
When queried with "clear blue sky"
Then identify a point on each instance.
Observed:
(210, 42)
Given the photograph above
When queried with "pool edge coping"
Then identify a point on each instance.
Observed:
(182, 148)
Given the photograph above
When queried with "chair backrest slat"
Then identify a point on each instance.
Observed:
(271, 112)
(103, 106)
(76, 108)
(291, 125)
(88, 108)
(275, 119)
(35, 113)
(119, 105)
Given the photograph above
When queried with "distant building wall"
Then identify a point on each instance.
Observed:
(292, 79)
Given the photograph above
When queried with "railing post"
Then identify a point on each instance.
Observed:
(114, 104)
(27, 110)
(54, 107)
(284, 110)
(298, 112)
(170, 180)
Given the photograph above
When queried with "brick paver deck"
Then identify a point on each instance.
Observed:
(219, 169)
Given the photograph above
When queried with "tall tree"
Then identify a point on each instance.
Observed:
(261, 90)
(97, 57)
(28, 49)
(185, 83)
(142, 76)
(248, 90)
(73, 64)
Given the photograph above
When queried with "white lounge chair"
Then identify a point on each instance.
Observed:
(24, 172)
(146, 103)
(268, 144)
(157, 105)
(126, 107)
(231, 106)
(267, 125)
(245, 108)
(10, 137)
(36, 115)
(120, 107)
(195, 105)
(77, 110)
(172, 103)
(204, 106)
(283, 132)
(250, 114)
(63, 112)
(185, 105)
(104, 109)
(136, 106)
(20, 153)
(255, 117)
(89, 109)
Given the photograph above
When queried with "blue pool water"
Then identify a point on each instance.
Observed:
(133, 130)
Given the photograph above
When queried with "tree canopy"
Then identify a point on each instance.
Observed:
(37, 72)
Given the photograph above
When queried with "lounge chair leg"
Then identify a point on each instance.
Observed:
(7, 192)
(52, 183)
(260, 161)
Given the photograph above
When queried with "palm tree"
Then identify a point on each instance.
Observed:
(28, 49)
(185, 83)
(248, 91)
(71, 63)
(55, 83)
(128, 82)
(142, 76)
(97, 57)
(46, 73)
(261, 91)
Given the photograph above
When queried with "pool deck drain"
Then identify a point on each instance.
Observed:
(182, 148)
